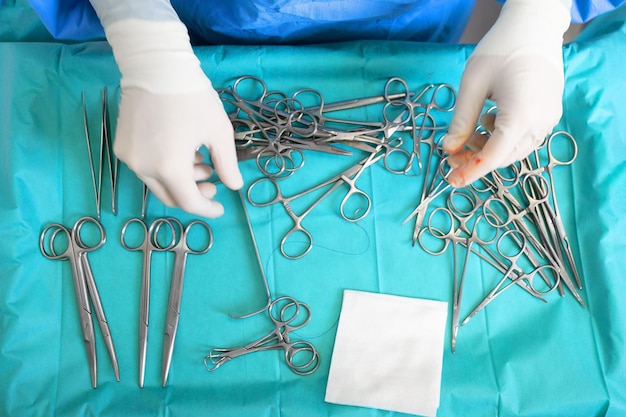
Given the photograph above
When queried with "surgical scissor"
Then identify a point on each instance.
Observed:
(286, 315)
(76, 251)
(181, 249)
(148, 245)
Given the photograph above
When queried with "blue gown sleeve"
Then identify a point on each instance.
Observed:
(69, 19)
(585, 10)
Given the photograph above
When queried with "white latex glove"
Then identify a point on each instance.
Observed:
(168, 111)
(519, 65)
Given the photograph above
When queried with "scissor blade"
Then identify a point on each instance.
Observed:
(173, 313)
(84, 313)
(144, 315)
(99, 311)
(168, 343)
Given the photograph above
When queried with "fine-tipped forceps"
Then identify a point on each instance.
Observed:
(287, 315)
(261, 108)
(465, 203)
(149, 244)
(75, 250)
(436, 189)
(500, 213)
(514, 273)
(249, 145)
(555, 213)
(349, 176)
(181, 249)
(106, 157)
(455, 231)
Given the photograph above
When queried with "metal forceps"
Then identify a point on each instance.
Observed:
(263, 110)
(412, 104)
(76, 251)
(458, 232)
(181, 249)
(554, 161)
(105, 156)
(349, 176)
(285, 313)
(514, 273)
(148, 245)
(515, 216)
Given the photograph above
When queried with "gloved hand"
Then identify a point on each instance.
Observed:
(168, 111)
(519, 65)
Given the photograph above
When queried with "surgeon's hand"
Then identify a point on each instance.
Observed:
(519, 65)
(168, 111)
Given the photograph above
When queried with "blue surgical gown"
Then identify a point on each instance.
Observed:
(283, 21)
(298, 21)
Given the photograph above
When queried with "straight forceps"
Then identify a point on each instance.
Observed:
(148, 245)
(286, 315)
(84, 284)
(554, 211)
(106, 157)
(453, 233)
(500, 213)
(349, 176)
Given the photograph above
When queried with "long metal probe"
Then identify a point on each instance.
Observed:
(258, 259)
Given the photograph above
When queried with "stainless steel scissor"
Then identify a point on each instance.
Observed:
(149, 243)
(181, 249)
(75, 249)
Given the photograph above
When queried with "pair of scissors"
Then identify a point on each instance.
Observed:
(286, 315)
(148, 245)
(176, 238)
(75, 250)
(181, 249)
(349, 176)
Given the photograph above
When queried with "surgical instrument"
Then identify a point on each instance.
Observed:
(106, 158)
(149, 244)
(283, 312)
(513, 256)
(181, 249)
(75, 252)
(348, 176)
(258, 260)
(455, 235)
(301, 356)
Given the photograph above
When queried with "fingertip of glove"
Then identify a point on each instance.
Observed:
(452, 143)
